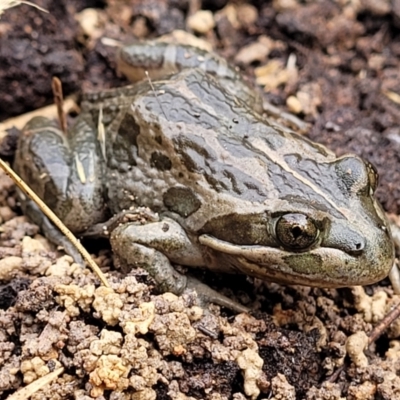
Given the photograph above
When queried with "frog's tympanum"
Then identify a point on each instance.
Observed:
(234, 191)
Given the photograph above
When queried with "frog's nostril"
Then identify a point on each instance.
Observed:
(344, 238)
(358, 247)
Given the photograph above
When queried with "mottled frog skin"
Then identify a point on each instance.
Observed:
(234, 191)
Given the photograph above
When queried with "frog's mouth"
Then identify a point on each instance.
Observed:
(321, 267)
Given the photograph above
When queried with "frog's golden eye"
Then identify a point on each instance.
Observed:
(373, 176)
(296, 231)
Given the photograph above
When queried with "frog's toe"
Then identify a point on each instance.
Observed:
(32, 210)
(207, 295)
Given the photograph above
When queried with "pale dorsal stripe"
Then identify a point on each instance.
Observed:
(277, 159)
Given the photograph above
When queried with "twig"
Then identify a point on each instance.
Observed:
(33, 387)
(56, 87)
(335, 375)
(384, 324)
(373, 336)
(155, 93)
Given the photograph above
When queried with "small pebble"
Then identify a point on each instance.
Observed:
(294, 104)
(201, 22)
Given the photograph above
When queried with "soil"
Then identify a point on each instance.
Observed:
(336, 65)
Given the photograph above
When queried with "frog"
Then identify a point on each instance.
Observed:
(227, 188)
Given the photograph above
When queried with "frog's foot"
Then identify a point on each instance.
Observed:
(51, 232)
(207, 295)
(138, 215)
(152, 246)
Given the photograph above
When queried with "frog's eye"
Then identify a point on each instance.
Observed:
(373, 176)
(358, 176)
(296, 231)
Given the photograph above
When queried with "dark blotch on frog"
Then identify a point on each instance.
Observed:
(160, 161)
(182, 201)
(199, 156)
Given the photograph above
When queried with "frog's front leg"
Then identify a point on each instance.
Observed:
(153, 246)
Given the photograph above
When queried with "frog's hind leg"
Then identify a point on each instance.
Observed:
(65, 172)
(49, 230)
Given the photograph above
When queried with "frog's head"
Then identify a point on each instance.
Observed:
(326, 232)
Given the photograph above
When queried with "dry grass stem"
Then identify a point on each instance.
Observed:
(28, 391)
(56, 86)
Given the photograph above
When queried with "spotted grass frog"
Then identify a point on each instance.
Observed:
(233, 190)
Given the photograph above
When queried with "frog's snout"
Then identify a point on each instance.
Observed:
(357, 247)
(341, 236)
(377, 255)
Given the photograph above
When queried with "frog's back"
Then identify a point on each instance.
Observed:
(187, 141)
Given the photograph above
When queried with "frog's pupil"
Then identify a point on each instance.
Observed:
(296, 231)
